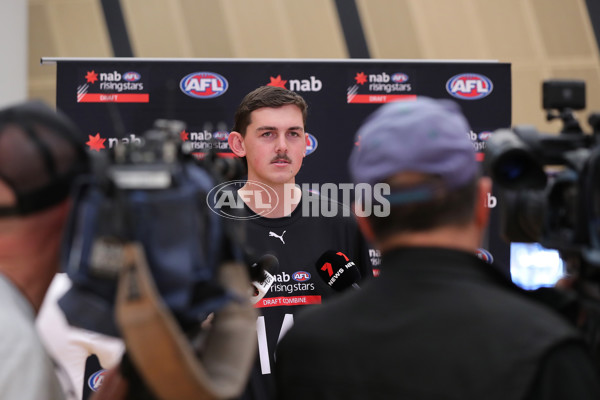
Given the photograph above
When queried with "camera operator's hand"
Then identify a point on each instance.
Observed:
(114, 386)
(568, 285)
(565, 283)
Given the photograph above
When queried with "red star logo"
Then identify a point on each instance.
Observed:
(95, 142)
(277, 82)
(360, 78)
(184, 135)
(91, 76)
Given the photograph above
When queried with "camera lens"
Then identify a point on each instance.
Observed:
(511, 163)
(510, 170)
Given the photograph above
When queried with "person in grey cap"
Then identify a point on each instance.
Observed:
(438, 323)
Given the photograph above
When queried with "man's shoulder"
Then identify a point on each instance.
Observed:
(16, 312)
(329, 317)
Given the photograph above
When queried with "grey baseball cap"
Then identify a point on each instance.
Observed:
(427, 135)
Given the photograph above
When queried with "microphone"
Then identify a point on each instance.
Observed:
(261, 277)
(338, 271)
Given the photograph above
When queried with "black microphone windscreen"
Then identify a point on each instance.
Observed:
(337, 270)
(266, 262)
(269, 262)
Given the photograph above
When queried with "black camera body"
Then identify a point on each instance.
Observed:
(153, 193)
(549, 184)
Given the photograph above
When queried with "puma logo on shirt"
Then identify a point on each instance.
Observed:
(273, 234)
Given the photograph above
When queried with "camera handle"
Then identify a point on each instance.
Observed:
(161, 352)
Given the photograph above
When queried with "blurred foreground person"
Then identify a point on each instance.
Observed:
(74, 347)
(439, 323)
(40, 157)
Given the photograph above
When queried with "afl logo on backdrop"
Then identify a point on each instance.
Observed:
(485, 135)
(399, 77)
(485, 255)
(311, 143)
(95, 381)
(469, 86)
(203, 85)
(131, 76)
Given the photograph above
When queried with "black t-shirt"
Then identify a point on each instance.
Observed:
(298, 240)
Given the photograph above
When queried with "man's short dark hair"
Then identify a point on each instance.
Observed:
(266, 96)
(454, 207)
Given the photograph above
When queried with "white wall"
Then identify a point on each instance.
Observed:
(13, 51)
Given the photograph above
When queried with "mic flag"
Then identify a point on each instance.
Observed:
(266, 263)
(261, 276)
(338, 271)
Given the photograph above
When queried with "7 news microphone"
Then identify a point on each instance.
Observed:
(338, 271)
(261, 277)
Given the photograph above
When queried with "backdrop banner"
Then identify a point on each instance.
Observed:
(116, 100)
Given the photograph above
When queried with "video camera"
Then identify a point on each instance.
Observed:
(549, 184)
(151, 263)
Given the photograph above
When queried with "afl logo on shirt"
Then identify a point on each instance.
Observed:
(301, 276)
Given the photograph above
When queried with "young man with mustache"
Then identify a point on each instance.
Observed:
(269, 132)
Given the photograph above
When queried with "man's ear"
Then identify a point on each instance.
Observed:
(305, 144)
(482, 211)
(236, 144)
(365, 227)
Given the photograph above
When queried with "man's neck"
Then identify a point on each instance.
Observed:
(451, 237)
(271, 201)
(31, 278)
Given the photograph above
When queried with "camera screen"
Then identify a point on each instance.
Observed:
(533, 266)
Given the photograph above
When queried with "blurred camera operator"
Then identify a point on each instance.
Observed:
(40, 157)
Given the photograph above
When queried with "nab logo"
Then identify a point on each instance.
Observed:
(311, 143)
(301, 276)
(203, 85)
(298, 85)
(131, 76)
(469, 86)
